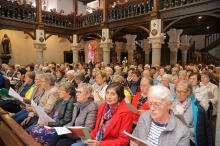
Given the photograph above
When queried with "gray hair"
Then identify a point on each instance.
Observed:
(95, 69)
(87, 88)
(69, 87)
(167, 76)
(183, 72)
(79, 75)
(49, 78)
(71, 72)
(161, 92)
(186, 84)
(175, 69)
(149, 80)
(109, 69)
(39, 75)
(147, 72)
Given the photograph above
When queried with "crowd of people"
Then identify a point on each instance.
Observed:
(68, 93)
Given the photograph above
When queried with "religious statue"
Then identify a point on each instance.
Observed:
(6, 43)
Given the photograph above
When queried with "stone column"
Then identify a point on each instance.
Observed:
(184, 47)
(99, 51)
(174, 44)
(40, 45)
(118, 49)
(84, 45)
(40, 48)
(146, 47)
(130, 47)
(106, 44)
(75, 48)
(156, 39)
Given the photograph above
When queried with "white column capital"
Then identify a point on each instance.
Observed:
(146, 46)
(156, 41)
(184, 48)
(130, 39)
(185, 40)
(39, 46)
(174, 46)
(106, 46)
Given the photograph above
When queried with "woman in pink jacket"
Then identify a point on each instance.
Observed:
(113, 118)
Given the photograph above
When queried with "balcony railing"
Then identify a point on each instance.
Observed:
(89, 19)
(165, 4)
(11, 10)
(58, 20)
(130, 9)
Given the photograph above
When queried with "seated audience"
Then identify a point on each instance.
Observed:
(159, 125)
(14, 106)
(134, 84)
(84, 114)
(195, 116)
(166, 81)
(113, 118)
(174, 78)
(62, 115)
(140, 100)
(93, 76)
(47, 100)
(23, 114)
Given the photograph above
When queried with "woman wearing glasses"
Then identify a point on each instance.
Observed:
(113, 118)
(62, 115)
(159, 125)
(84, 114)
(195, 116)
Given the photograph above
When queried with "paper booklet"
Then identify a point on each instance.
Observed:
(42, 115)
(137, 140)
(79, 131)
(14, 94)
(132, 108)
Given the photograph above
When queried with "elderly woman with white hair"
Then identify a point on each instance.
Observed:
(182, 75)
(70, 76)
(187, 106)
(109, 73)
(166, 81)
(159, 125)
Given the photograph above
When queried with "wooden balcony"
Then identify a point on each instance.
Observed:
(131, 14)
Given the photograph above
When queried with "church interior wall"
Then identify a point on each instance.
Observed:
(23, 51)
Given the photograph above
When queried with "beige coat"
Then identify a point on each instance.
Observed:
(47, 100)
(212, 91)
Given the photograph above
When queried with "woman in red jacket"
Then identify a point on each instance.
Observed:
(113, 118)
(140, 99)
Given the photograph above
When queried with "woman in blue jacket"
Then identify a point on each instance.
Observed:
(195, 116)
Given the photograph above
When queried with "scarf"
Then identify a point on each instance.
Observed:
(105, 120)
(97, 88)
(179, 107)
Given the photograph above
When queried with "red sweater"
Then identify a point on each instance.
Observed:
(144, 106)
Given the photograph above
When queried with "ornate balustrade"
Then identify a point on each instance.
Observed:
(15, 11)
(130, 9)
(89, 19)
(54, 19)
(165, 4)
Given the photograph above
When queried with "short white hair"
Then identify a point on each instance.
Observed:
(167, 76)
(109, 69)
(71, 72)
(160, 92)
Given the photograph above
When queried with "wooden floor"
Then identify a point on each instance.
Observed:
(1, 142)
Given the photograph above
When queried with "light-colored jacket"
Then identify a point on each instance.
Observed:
(47, 101)
(175, 134)
(201, 95)
(212, 91)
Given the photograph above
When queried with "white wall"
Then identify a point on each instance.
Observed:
(199, 41)
(23, 51)
(81, 8)
(51, 4)
(215, 52)
(66, 5)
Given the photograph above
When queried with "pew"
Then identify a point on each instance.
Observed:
(12, 134)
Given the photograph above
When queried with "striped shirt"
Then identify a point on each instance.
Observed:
(155, 130)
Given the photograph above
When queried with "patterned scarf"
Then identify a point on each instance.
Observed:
(180, 108)
(98, 88)
(141, 101)
(105, 120)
